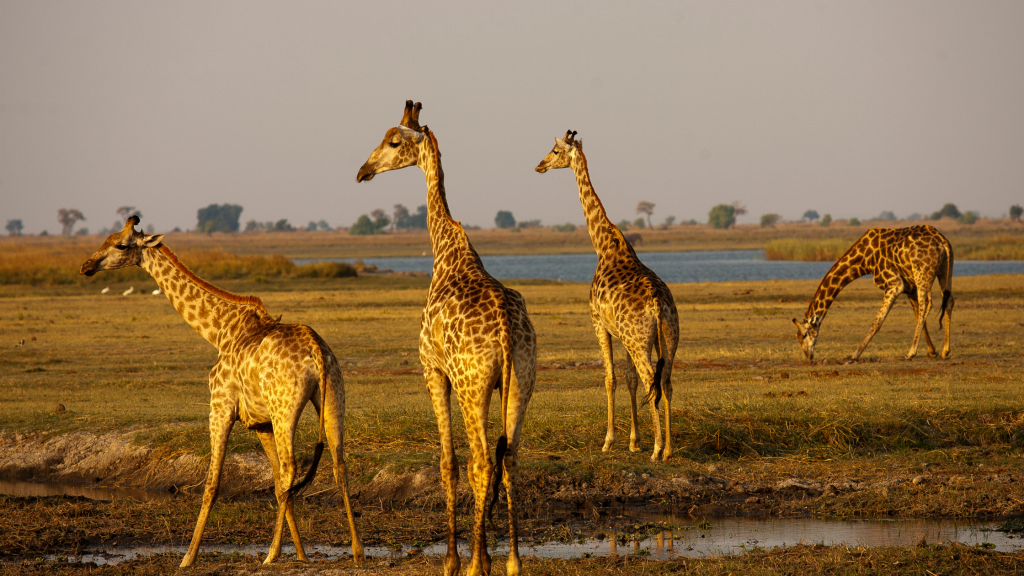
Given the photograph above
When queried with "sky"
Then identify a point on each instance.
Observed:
(847, 108)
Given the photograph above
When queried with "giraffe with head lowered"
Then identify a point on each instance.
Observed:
(628, 301)
(265, 374)
(475, 337)
(902, 261)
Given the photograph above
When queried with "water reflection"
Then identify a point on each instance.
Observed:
(91, 491)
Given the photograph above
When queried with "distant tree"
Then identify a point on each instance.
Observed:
(282, 225)
(722, 216)
(949, 210)
(323, 225)
(364, 226)
(1016, 212)
(400, 212)
(624, 224)
(529, 224)
(67, 218)
(811, 215)
(44, 233)
(252, 226)
(82, 232)
(914, 216)
(853, 222)
(769, 220)
(969, 217)
(14, 227)
(638, 223)
(504, 219)
(887, 215)
(311, 227)
(218, 218)
(567, 227)
(417, 220)
(669, 220)
(826, 220)
(380, 219)
(646, 208)
(738, 209)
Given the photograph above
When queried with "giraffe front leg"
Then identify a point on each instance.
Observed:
(927, 339)
(890, 298)
(924, 306)
(440, 390)
(220, 427)
(605, 340)
(632, 380)
(270, 448)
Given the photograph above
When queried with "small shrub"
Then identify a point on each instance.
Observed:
(826, 220)
(853, 222)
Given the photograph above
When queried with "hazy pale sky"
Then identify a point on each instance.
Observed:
(848, 108)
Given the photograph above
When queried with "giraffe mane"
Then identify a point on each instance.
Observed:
(253, 301)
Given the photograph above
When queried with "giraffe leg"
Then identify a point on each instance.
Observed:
(270, 448)
(283, 437)
(334, 430)
(890, 298)
(220, 427)
(949, 319)
(631, 382)
(440, 391)
(927, 339)
(646, 374)
(480, 470)
(924, 306)
(605, 340)
(666, 389)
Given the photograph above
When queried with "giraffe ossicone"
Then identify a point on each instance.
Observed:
(628, 301)
(475, 333)
(266, 372)
(901, 261)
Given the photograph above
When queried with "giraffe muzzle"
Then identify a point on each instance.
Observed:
(366, 173)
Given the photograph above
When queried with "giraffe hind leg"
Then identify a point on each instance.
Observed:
(632, 382)
(927, 339)
(440, 391)
(334, 430)
(270, 448)
(924, 306)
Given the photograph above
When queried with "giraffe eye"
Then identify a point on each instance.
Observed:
(393, 144)
(121, 247)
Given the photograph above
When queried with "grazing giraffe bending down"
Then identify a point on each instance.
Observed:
(265, 374)
(475, 337)
(902, 261)
(627, 301)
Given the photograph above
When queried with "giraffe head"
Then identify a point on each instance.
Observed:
(121, 249)
(560, 155)
(807, 335)
(400, 146)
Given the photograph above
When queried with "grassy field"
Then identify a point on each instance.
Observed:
(749, 414)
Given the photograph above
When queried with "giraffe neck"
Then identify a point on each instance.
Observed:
(605, 236)
(217, 315)
(850, 266)
(446, 235)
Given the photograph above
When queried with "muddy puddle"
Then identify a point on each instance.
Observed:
(28, 489)
(622, 532)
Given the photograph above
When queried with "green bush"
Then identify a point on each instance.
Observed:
(722, 216)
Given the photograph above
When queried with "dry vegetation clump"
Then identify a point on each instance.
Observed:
(1003, 247)
(806, 250)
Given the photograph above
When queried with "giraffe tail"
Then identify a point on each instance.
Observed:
(654, 393)
(947, 289)
(317, 353)
(502, 445)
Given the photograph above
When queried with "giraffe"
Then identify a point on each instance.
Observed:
(902, 261)
(264, 375)
(475, 337)
(627, 301)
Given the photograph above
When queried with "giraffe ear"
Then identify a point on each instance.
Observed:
(795, 322)
(153, 241)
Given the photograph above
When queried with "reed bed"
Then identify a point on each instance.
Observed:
(1003, 247)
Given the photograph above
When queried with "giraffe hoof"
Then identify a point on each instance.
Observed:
(933, 355)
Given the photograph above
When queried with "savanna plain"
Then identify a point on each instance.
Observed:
(757, 430)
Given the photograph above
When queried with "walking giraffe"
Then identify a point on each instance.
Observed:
(475, 337)
(902, 261)
(627, 301)
(265, 374)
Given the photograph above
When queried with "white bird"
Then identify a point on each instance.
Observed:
(157, 292)
(105, 290)
(129, 291)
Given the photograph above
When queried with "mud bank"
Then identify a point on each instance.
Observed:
(879, 489)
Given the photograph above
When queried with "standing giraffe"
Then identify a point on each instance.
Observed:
(902, 261)
(627, 301)
(264, 375)
(475, 337)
